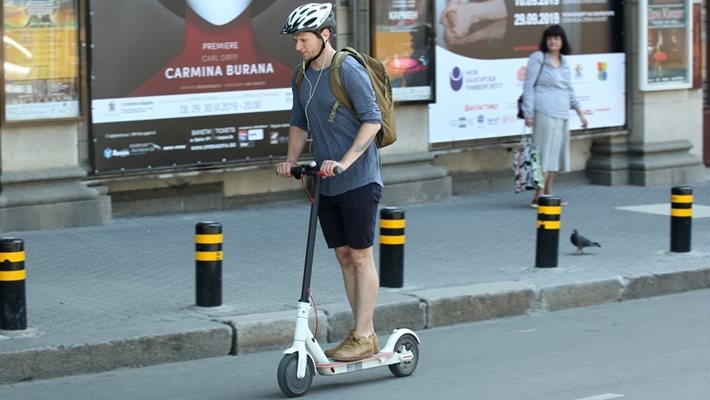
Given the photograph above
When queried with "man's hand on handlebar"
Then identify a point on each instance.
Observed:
(283, 169)
(289, 169)
(330, 168)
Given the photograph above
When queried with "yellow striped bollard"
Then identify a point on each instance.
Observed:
(208, 264)
(548, 231)
(681, 218)
(13, 305)
(392, 225)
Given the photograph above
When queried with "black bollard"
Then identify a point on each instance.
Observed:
(548, 231)
(681, 218)
(392, 225)
(13, 305)
(208, 264)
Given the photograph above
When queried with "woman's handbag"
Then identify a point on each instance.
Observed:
(520, 108)
(526, 166)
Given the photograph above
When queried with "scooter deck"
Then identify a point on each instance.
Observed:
(375, 360)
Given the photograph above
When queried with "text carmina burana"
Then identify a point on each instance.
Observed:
(208, 71)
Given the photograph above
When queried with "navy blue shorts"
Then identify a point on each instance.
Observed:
(349, 218)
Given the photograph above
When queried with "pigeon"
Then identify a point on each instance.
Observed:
(580, 242)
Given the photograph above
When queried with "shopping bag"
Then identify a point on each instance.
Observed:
(526, 166)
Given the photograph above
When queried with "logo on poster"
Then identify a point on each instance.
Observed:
(602, 67)
(456, 79)
(521, 73)
(110, 153)
(578, 71)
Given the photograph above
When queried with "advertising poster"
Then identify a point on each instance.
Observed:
(482, 48)
(403, 40)
(41, 60)
(666, 27)
(185, 83)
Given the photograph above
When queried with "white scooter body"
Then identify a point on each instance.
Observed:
(295, 373)
(310, 351)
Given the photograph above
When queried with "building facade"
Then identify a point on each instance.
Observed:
(90, 133)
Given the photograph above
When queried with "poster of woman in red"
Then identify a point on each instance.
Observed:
(219, 52)
(180, 83)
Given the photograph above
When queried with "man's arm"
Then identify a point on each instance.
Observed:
(296, 143)
(365, 135)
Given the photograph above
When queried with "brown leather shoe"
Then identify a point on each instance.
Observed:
(356, 348)
(375, 343)
(329, 353)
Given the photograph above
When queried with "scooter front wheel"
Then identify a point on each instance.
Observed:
(289, 383)
(406, 343)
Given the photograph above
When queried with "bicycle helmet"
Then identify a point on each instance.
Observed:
(311, 17)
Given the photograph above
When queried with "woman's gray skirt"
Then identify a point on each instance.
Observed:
(551, 136)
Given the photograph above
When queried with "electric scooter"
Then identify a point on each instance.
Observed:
(305, 356)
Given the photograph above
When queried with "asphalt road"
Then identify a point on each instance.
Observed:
(651, 349)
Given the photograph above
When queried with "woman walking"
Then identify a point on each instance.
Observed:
(547, 98)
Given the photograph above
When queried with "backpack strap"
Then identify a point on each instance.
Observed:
(301, 73)
(336, 80)
(299, 77)
(333, 111)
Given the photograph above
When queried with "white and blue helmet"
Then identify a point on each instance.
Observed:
(311, 17)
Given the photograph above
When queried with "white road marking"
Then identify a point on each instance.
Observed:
(605, 396)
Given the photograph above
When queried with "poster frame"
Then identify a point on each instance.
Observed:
(80, 87)
(174, 133)
(467, 113)
(643, 65)
(430, 40)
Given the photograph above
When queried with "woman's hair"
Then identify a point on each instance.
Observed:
(555, 31)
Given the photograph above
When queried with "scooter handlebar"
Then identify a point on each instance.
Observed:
(310, 169)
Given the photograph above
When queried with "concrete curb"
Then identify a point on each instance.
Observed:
(176, 342)
(666, 283)
(580, 294)
(414, 309)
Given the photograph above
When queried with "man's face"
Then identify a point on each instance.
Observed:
(308, 44)
(218, 12)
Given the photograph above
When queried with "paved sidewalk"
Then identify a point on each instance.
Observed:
(123, 295)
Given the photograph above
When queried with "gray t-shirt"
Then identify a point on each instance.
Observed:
(553, 95)
(312, 105)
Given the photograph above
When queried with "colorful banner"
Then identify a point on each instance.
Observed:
(41, 60)
(192, 83)
(665, 27)
(482, 49)
(403, 40)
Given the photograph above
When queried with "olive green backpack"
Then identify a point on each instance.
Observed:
(380, 84)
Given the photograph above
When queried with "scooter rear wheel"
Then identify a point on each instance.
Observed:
(406, 343)
(290, 385)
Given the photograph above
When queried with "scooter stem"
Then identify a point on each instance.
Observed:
(310, 244)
